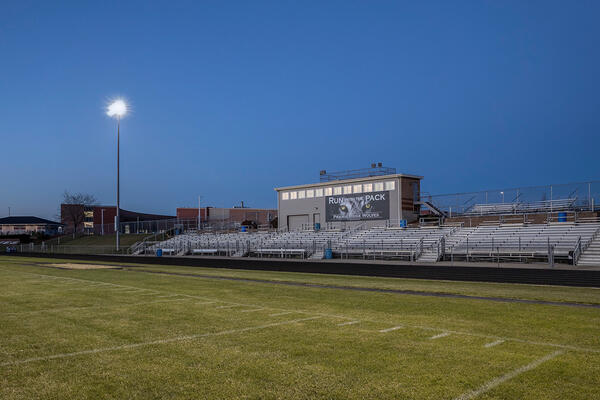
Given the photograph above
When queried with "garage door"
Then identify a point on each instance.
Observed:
(296, 222)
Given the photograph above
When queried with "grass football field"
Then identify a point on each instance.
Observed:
(164, 332)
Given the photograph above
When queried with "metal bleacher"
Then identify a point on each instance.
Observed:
(235, 244)
(413, 244)
(559, 241)
(520, 207)
(301, 244)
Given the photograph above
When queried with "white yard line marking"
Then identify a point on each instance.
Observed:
(497, 381)
(492, 344)
(518, 340)
(281, 313)
(154, 342)
(441, 335)
(168, 295)
(206, 302)
(16, 314)
(41, 292)
(256, 309)
(229, 306)
(394, 328)
(28, 281)
(466, 333)
(348, 323)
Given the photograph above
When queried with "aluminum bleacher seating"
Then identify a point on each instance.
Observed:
(564, 242)
(393, 243)
(520, 241)
(227, 244)
(298, 243)
(521, 207)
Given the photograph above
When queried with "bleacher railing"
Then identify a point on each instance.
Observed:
(578, 196)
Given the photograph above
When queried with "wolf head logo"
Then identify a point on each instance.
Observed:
(354, 207)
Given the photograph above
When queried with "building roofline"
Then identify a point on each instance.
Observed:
(342, 181)
(27, 220)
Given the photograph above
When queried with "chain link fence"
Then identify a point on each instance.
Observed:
(581, 196)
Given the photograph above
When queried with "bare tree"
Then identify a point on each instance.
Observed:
(73, 208)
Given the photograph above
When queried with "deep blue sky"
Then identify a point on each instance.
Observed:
(232, 99)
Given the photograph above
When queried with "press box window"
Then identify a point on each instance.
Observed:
(301, 194)
(337, 190)
(285, 196)
(310, 194)
(368, 187)
(390, 185)
(328, 191)
(348, 189)
(357, 188)
(319, 193)
(293, 195)
(378, 186)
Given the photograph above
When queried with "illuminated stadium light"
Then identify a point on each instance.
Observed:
(117, 108)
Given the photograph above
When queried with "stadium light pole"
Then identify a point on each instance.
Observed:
(117, 109)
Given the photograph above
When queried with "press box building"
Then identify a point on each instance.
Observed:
(378, 199)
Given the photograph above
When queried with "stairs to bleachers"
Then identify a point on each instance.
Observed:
(591, 255)
(317, 255)
(429, 256)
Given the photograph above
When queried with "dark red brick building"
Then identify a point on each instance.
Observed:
(259, 216)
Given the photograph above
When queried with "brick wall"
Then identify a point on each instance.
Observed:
(258, 215)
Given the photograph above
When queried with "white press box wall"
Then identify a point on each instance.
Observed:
(369, 201)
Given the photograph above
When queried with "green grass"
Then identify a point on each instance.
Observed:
(503, 290)
(142, 345)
